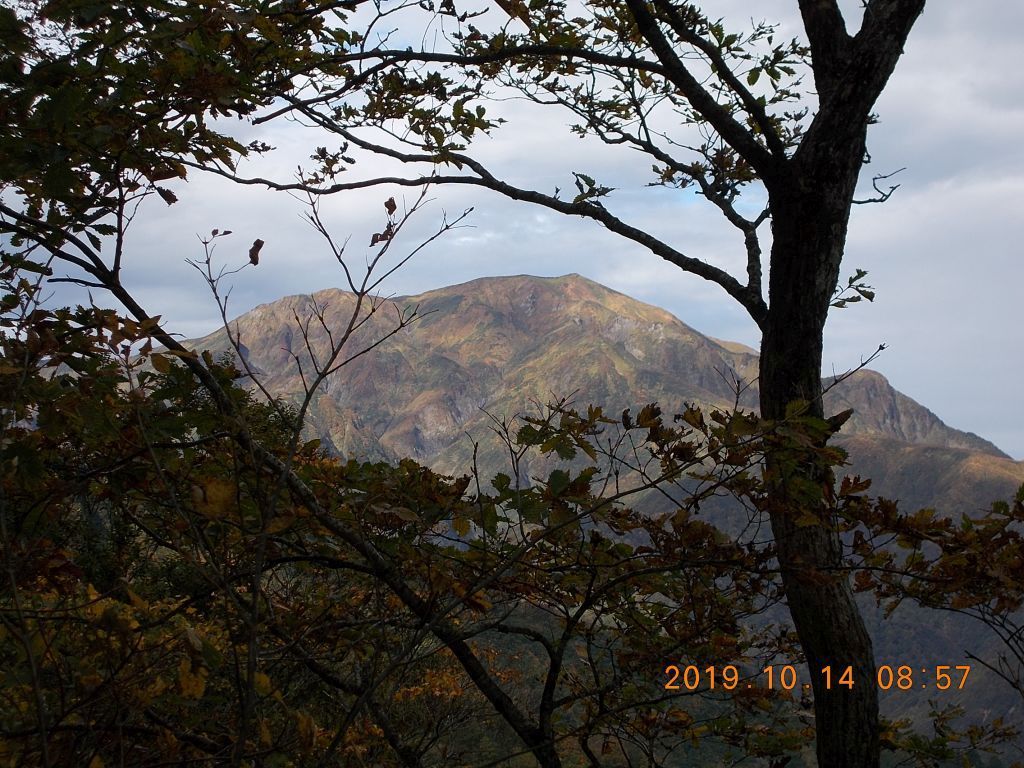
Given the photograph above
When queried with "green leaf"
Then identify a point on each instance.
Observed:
(528, 435)
(489, 519)
(501, 482)
(532, 509)
(796, 408)
(558, 481)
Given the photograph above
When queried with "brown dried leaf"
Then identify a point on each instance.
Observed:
(254, 252)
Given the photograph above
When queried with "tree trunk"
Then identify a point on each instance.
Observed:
(809, 231)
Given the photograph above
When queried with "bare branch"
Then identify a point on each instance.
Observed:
(751, 300)
(738, 137)
(722, 69)
(883, 194)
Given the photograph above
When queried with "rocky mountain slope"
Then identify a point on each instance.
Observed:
(495, 347)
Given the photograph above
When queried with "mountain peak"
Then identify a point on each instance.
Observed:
(496, 344)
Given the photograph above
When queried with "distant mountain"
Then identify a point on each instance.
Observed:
(496, 346)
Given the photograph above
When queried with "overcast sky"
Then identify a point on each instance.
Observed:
(943, 253)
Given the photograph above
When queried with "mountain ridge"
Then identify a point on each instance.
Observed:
(496, 346)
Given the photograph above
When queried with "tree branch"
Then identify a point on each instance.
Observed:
(390, 57)
(888, 19)
(737, 136)
(829, 40)
(882, 194)
(722, 69)
(748, 299)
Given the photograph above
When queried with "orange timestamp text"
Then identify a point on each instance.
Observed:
(902, 677)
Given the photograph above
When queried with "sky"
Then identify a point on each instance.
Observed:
(943, 253)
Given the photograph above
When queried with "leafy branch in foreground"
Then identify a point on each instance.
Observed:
(969, 565)
(176, 590)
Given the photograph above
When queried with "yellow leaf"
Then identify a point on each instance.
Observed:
(136, 601)
(160, 363)
(154, 689)
(262, 683)
(280, 523)
(807, 519)
(480, 603)
(91, 681)
(217, 496)
(192, 684)
(963, 601)
(96, 762)
(97, 605)
(679, 717)
(306, 728)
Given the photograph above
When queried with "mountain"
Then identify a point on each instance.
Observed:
(495, 347)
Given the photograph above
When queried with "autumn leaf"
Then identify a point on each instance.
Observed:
(192, 684)
(214, 497)
(383, 237)
(254, 252)
(390, 206)
(160, 363)
(265, 737)
(478, 602)
(405, 514)
(516, 9)
(306, 729)
(175, 171)
(261, 681)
